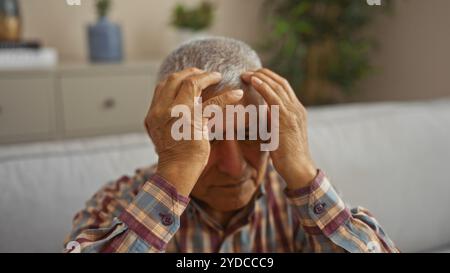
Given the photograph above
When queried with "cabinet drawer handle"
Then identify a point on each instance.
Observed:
(109, 103)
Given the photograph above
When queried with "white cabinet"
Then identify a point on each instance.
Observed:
(27, 107)
(75, 101)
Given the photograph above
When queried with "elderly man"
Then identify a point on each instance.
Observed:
(225, 195)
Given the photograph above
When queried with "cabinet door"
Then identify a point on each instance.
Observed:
(105, 103)
(26, 108)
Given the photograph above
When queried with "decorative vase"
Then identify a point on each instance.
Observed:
(9, 21)
(105, 41)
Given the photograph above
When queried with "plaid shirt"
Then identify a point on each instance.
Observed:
(146, 214)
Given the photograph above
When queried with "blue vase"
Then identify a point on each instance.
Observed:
(105, 41)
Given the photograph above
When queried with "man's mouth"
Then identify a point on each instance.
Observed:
(233, 185)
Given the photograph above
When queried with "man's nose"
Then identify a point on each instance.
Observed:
(231, 160)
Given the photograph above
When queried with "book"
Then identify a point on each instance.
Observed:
(20, 44)
(26, 58)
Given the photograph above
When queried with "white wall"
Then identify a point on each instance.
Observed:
(414, 53)
(413, 59)
(145, 24)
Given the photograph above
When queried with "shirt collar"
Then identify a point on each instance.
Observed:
(241, 218)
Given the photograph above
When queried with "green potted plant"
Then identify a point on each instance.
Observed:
(105, 37)
(320, 46)
(192, 22)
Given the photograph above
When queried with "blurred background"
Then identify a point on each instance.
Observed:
(412, 57)
(76, 79)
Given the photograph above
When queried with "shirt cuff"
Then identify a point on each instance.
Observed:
(154, 215)
(319, 207)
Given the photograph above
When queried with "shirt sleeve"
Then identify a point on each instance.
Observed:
(328, 225)
(115, 222)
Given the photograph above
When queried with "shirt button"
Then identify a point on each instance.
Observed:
(166, 219)
(319, 208)
(373, 247)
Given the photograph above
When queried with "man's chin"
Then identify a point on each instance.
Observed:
(226, 203)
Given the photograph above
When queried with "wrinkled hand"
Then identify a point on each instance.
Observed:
(292, 159)
(182, 162)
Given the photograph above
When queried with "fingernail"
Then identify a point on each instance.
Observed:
(256, 80)
(237, 93)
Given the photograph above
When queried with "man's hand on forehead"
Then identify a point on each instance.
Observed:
(181, 88)
(292, 159)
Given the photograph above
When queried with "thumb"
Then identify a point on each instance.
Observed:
(227, 98)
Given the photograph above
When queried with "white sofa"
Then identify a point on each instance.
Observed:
(389, 157)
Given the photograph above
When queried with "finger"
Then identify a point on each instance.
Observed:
(266, 91)
(247, 76)
(273, 84)
(280, 80)
(157, 92)
(227, 98)
(203, 81)
(173, 83)
(194, 85)
(154, 99)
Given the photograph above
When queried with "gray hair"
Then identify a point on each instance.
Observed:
(227, 56)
